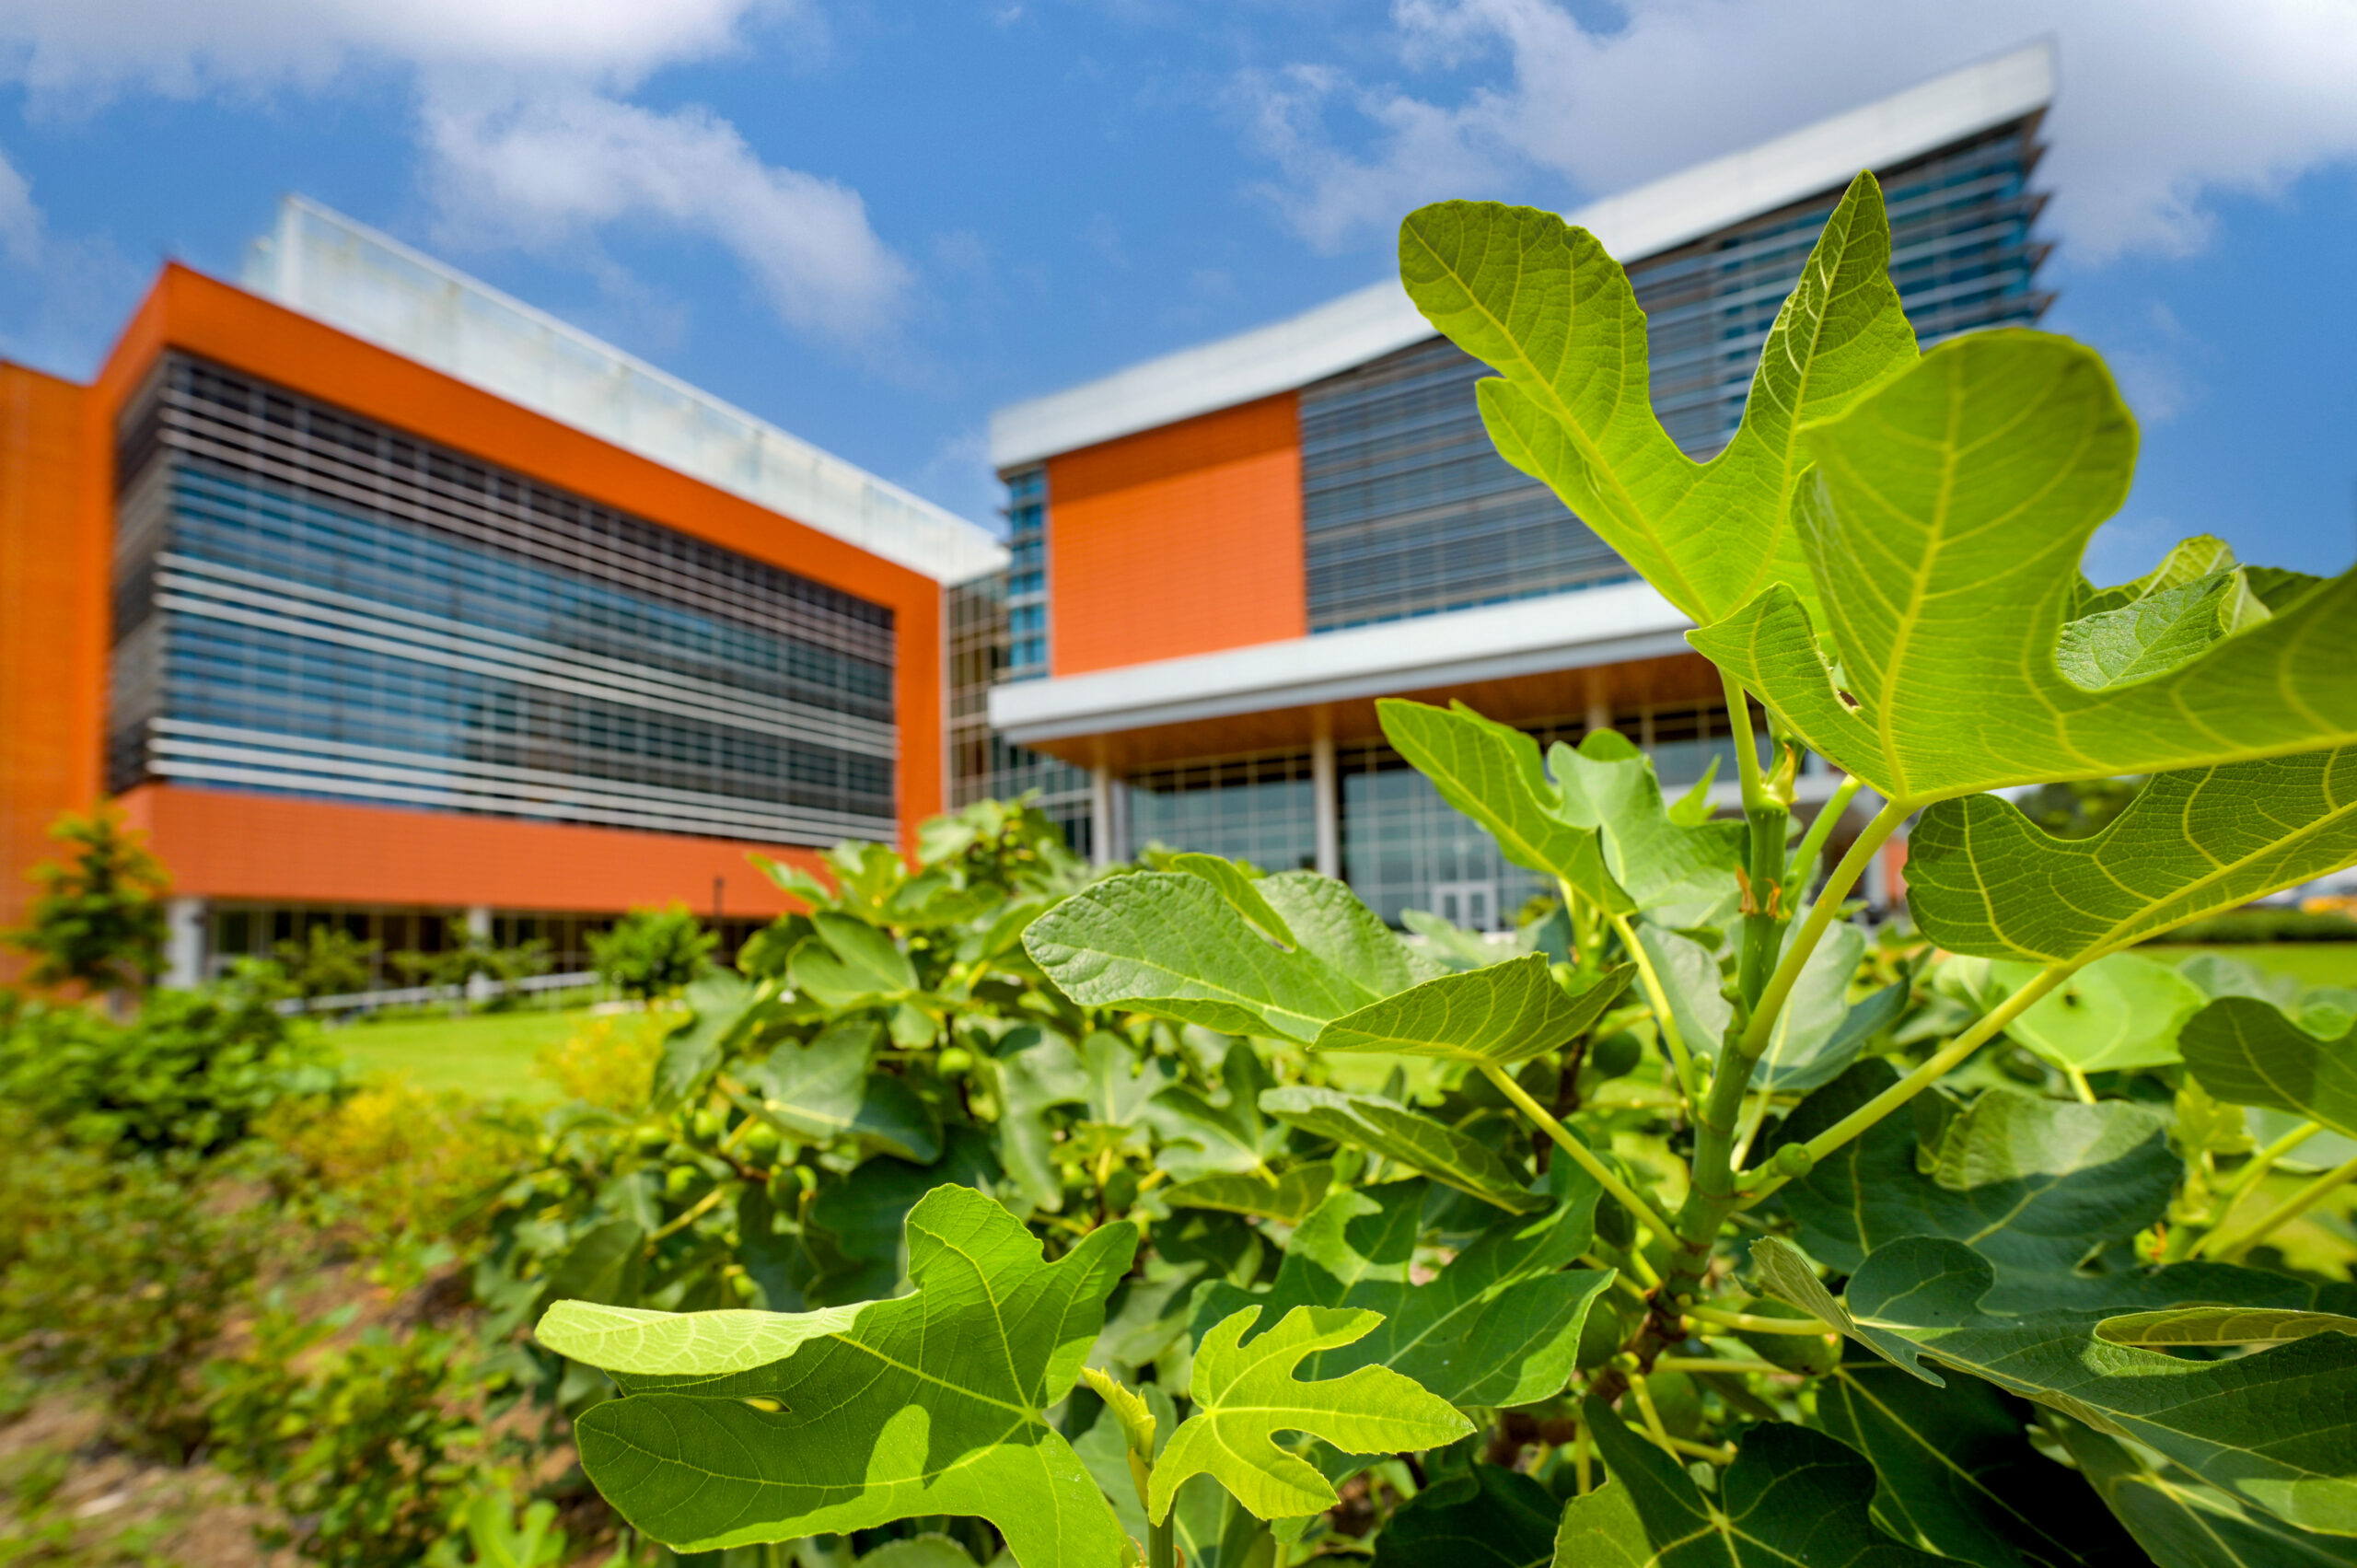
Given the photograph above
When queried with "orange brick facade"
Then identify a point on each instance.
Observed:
(1185, 540)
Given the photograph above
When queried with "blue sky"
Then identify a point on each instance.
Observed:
(872, 224)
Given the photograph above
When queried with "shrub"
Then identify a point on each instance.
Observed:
(327, 960)
(192, 1072)
(99, 918)
(371, 1448)
(608, 1062)
(406, 1166)
(121, 1272)
(652, 953)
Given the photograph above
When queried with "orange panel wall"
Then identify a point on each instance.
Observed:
(52, 621)
(1181, 541)
(226, 844)
(223, 845)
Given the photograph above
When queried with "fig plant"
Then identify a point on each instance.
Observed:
(1693, 1225)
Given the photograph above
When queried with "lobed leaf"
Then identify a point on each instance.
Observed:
(1168, 943)
(931, 1403)
(2184, 1523)
(1500, 1016)
(1498, 1326)
(1982, 878)
(1541, 302)
(825, 1090)
(2247, 1052)
(1792, 1496)
(2270, 1429)
(1413, 1140)
(1244, 1396)
(1945, 527)
(1958, 1475)
(1490, 771)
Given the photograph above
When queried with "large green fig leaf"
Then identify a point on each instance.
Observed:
(1492, 772)
(1287, 1197)
(1170, 943)
(2270, 1428)
(1244, 1394)
(1540, 302)
(724, 1012)
(2183, 1522)
(825, 1090)
(1792, 1496)
(1410, 1138)
(927, 1404)
(2247, 1052)
(1984, 879)
(1499, 1326)
(1960, 1476)
(2122, 1011)
(1945, 527)
(1680, 873)
(2035, 1184)
(851, 964)
(1480, 1517)
(1495, 1016)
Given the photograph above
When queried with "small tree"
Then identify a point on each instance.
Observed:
(328, 961)
(652, 953)
(100, 917)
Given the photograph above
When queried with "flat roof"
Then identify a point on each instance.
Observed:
(326, 266)
(1643, 222)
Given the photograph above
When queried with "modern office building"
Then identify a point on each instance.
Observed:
(379, 598)
(1223, 557)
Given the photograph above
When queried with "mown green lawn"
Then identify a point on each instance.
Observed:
(489, 1054)
(2312, 963)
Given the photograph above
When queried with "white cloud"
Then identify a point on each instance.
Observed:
(182, 47)
(545, 169)
(527, 139)
(2162, 101)
(19, 219)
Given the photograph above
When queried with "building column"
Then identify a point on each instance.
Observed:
(184, 944)
(1326, 800)
(477, 924)
(1100, 816)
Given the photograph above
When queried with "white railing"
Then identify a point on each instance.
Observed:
(479, 989)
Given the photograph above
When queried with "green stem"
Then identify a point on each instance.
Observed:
(1803, 942)
(1768, 819)
(1586, 1157)
(2250, 1176)
(1934, 1067)
(1162, 1543)
(1680, 1062)
(2290, 1209)
(1820, 827)
(1752, 1323)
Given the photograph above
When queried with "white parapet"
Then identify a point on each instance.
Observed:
(358, 280)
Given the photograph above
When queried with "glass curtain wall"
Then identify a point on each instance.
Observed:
(314, 604)
(1259, 808)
